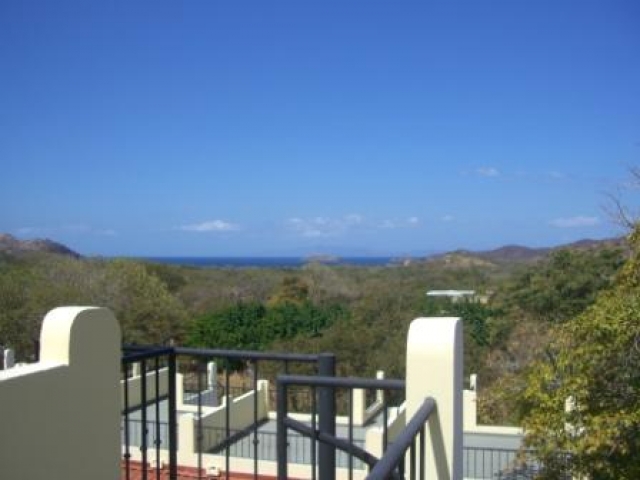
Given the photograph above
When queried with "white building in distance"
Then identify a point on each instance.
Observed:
(454, 295)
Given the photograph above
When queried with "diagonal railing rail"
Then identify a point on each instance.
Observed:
(392, 463)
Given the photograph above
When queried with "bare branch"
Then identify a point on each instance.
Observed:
(616, 209)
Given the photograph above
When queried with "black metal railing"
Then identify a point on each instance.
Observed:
(323, 364)
(322, 430)
(157, 431)
(241, 444)
(145, 403)
(488, 463)
(149, 412)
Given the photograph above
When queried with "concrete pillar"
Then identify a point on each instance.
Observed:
(470, 410)
(434, 369)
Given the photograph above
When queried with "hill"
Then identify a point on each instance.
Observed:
(12, 246)
(517, 254)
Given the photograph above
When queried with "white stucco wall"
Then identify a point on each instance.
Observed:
(60, 418)
(134, 387)
(240, 417)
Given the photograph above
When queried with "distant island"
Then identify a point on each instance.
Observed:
(322, 258)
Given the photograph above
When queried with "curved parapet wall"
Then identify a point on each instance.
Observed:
(60, 416)
(434, 369)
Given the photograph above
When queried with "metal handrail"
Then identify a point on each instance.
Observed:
(136, 354)
(342, 382)
(247, 354)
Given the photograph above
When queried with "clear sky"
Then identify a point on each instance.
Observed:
(294, 127)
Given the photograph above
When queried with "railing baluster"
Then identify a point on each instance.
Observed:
(228, 402)
(127, 451)
(412, 462)
(423, 458)
(351, 431)
(314, 412)
(385, 421)
(327, 417)
(199, 371)
(172, 417)
(255, 419)
(157, 412)
(483, 469)
(143, 401)
(281, 431)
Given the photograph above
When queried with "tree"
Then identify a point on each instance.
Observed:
(147, 311)
(236, 327)
(584, 398)
(253, 326)
(618, 206)
(564, 285)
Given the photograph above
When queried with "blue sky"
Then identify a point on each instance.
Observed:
(296, 127)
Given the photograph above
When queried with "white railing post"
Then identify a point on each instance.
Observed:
(212, 382)
(8, 359)
(379, 393)
(434, 369)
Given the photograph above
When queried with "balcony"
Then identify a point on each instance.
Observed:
(92, 410)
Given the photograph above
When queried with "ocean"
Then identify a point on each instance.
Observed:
(269, 262)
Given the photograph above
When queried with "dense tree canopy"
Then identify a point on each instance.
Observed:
(564, 285)
(528, 305)
(254, 326)
(29, 288)
(584, 397)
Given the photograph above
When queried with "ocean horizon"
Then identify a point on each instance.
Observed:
(270, 262)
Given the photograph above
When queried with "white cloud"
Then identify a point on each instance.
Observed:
(210, 226)
(331, 227)
(391, 224)
(487, 172)
(354, 219)
(323, 226)
(575, 222)
(313, 227)
(448, 218)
